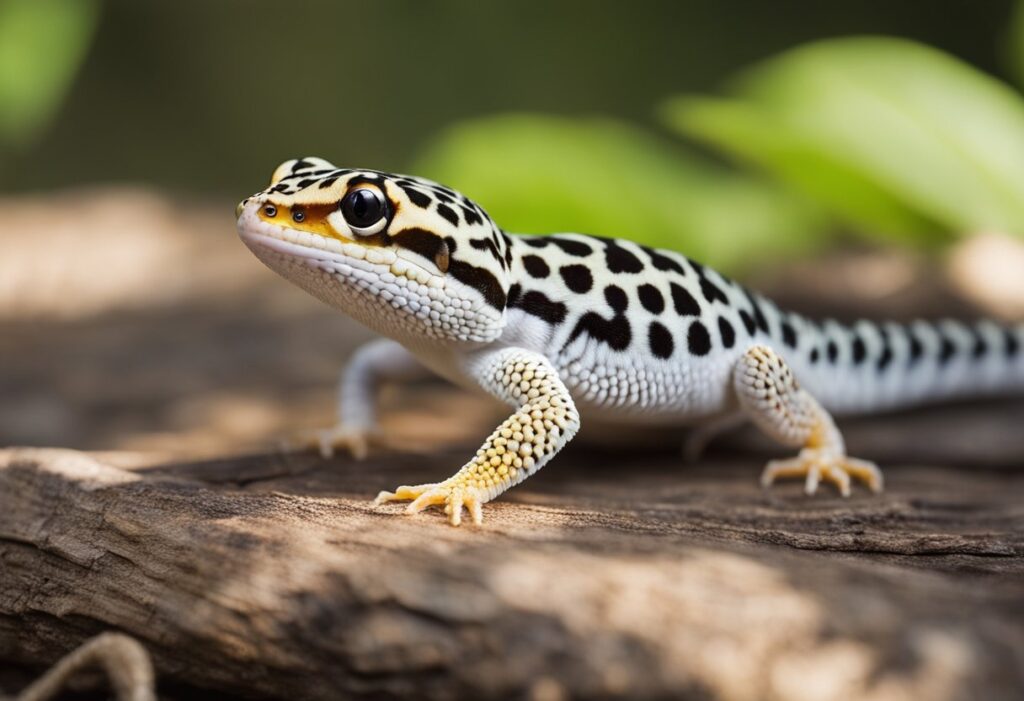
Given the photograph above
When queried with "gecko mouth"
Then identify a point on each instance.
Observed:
(329, 254)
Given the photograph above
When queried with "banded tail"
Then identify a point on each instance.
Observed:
(871, 366)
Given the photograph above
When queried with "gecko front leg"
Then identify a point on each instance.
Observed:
(370, 367)
(544, 421)
(770, 395)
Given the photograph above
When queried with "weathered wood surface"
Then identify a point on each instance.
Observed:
(608, 574)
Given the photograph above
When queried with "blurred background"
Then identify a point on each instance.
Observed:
(849, 158)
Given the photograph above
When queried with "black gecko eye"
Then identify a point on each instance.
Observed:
(270, 210)
(298, 215)
(365, 211)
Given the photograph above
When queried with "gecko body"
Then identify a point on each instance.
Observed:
(570, 327)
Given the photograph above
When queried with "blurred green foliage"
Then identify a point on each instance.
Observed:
(540, 174)
(895, 138)
(42, 44)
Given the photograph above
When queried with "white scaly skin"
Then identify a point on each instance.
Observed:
(570, 326)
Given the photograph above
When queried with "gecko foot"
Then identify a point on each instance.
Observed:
(338, 438)
(453, 496)
(816, 464)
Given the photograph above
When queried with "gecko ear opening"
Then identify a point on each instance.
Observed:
(442, 257)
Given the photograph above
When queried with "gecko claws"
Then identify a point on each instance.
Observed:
(816, 464)
(423, 496)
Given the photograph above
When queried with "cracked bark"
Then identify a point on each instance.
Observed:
(611, 575)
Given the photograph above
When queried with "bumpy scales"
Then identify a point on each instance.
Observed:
(570, 327)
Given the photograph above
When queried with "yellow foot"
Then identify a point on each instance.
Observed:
(816, 464)
(453, 497)
(354, 441)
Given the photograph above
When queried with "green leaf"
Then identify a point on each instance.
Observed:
(42, 43)
(537, 174)
(895, 137)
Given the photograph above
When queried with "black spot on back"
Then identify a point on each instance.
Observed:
(616, 298)
(748, 322)
(577, 278)
(536, 266)
(698, 339)
(660, 340)
(663, 262)
(651, 298)
(726, 331)
(815, 354)
(620, 260)
(788, 334)
(683, 301)
(536, 241)
(832, 350)
(573, 248)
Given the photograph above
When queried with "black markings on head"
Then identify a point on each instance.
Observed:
(726, 331)
(788, 334)
(539, 305)
(832, 350)
(471, 215)
(449, 214)
(418, 198)
(577, 278)
(698, 339)
(616, 298)
(481, 280)
(427, 244)
(487, 244)
(815, 354)
(573, 248)
(536, 266)
(620, 260)
(660, 340)
(663, 262)
(651, 298)
(683, 301)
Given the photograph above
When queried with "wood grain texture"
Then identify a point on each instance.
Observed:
(607, 575)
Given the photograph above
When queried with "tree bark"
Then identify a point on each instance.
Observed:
(611, 575)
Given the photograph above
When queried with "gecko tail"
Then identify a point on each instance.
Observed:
(869, 366)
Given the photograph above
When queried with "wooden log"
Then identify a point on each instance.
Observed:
(607, 575)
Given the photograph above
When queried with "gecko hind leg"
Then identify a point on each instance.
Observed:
(770, 396)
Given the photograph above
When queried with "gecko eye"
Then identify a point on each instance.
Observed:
(270, 210)
(365, 211)
(298, 215)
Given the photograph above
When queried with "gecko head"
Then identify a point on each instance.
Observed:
(404, 255)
